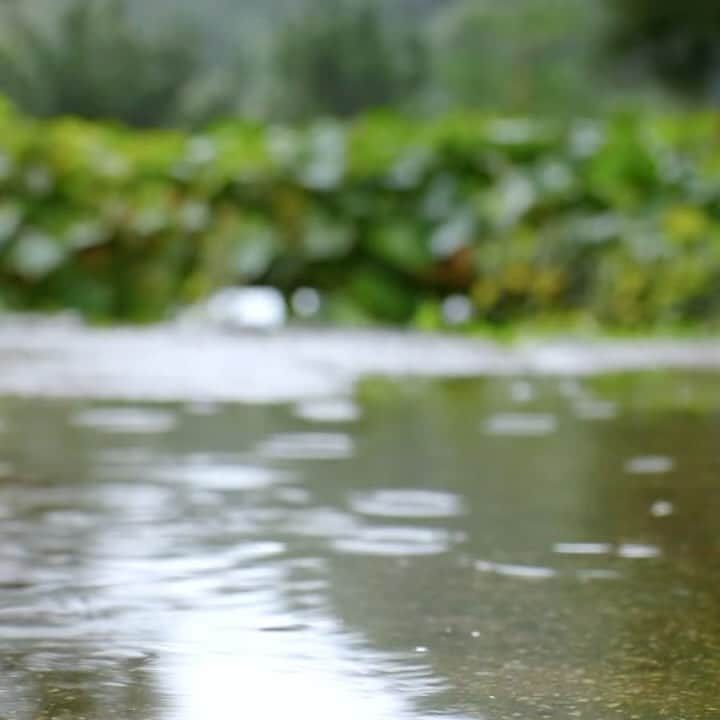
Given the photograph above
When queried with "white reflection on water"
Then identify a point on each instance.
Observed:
(234, 672)
(307, 446)
(638, 551)
(226, 641)
(396, 541)
(649, 465)
(582, 548)
(125, 420)
(524, 572)
(407, 503)
(521, 424)
(327, 411)
(662, 508)
(214, 473)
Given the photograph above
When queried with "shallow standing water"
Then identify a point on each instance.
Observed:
(501, 548)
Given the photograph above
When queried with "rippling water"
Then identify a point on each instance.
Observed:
(501, 548)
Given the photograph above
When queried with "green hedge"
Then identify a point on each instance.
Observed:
(616, 219)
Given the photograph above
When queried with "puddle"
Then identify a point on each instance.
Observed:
(385, 554)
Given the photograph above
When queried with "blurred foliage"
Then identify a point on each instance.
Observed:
(464, 219)
(88, 58)
(343, 58)
(677, 41)
(522, 54)
(179, 63)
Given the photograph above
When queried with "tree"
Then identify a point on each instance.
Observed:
(520, 56)
(91, 60)
(678, 41)
(342, 57)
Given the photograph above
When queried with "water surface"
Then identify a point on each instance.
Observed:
(503, 548)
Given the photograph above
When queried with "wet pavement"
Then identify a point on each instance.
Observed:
(528, 544)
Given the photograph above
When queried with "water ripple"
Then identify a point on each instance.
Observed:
(125, 420)
(407, 503)
(395, 541)
(521, 424)
(307, 446)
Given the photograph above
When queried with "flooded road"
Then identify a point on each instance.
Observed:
(510, 547)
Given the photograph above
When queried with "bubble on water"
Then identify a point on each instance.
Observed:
(638, 551)
(581, 548)
(662, 508)
(421, 649)
(521, 424)
(329, 410)
(123, 420)
(649, 465)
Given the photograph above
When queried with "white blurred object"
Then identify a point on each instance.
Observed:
(457, 309)
(306, 302)
(256, 308)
